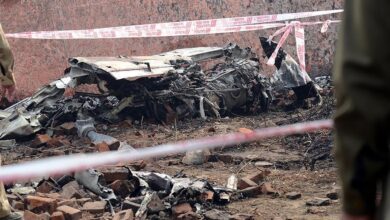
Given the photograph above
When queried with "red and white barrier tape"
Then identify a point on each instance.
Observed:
(55, 166)
(198, 27)
(299, 39)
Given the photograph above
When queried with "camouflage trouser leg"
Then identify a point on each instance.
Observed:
(5, 208)
(6, 61)
(362, 120)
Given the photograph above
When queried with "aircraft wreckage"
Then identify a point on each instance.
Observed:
(167, 86)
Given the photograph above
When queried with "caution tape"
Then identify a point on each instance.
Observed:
(183, 28)
(299, 39)
(60, 165)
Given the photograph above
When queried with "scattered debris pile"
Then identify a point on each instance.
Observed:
(165, 87)
(117, 192)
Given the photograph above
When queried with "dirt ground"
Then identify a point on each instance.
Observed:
(299, 163)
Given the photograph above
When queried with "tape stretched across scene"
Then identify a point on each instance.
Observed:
(183, 28)
(60, 165)
(299, 39)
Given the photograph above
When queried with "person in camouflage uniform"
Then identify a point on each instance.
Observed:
(362, 119)
(7, 89)
(7, 80)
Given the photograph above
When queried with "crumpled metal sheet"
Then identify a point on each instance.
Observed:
(48, 94)
(122, 68)
(196, 53)
(165, 87)
(137, 67)
(17, 125)
(290, 74)
(92, 180)
(23, 118)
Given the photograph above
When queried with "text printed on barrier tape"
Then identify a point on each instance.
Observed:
(198, 27)
(66, 164)
(201, 27)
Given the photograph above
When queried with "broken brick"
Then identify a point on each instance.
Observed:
(122, 188)
(71, 190)
(102, 147)
(69, 202)
(258, 177)
(41, 204)
(181, 209)
(55, 142)
(112, 173)
(28, 215)
(82, 201)
(244, 183)
(45, 187)
(266, 188)
(124, 215)
(189, 216)
(69, 128)
(95, 207)
(45, 216)
(70, 213)
(55, 196)
(57, 216)
(137, 165)
(40, 140)
(112, 143)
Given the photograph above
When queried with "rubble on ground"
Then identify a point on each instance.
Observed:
(117, 192)
(166, 87)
